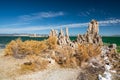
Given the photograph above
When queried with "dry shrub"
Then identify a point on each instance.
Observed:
(83, 52)
(70, 60)
(35, 47)
(34, 63)
(52, 42)
(32, 50)
(18, 47)
(32, 66)
(64, 57)
(8, 49)
(87, 51)
(42, 63)
(70, 57)
(33, 58)
(24, 68)
(13, 47)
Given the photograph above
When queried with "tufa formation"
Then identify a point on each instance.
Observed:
(91, 36)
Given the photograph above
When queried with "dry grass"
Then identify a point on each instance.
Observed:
(31, 50)
(25, 68)
(65, 56)
(34, 63)
(87, 51)
(32, 67)
(52, 42)
(8, 49)
(28, 47)
(69, 57)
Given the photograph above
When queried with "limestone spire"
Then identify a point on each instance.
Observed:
(53, 32)
(67, 33)
(61, 32)
(93, 27)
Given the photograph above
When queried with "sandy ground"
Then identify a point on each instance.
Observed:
(53, 74)
(1, 52)
(9, 70)
(9, 65)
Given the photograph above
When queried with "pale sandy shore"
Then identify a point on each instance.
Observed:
(51, 74)
(10, 65)
(1, 52)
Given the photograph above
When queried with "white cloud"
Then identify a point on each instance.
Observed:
(15, 24)
(39, 28)
(109, 22)
(41, 15)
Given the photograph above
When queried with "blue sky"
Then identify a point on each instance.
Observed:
(39, 16)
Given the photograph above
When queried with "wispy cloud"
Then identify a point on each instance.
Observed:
(94, 13)
(109, 22)
(15, 24)
(40, 15)
(73, 25)
(84, 14)
(87, 13)
(39, 28)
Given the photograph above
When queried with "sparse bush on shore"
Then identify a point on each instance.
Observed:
(69, 57)
(31, 50)
(87, 51)
(52, 42)
(30, 47)
(33, 66)
(17, 47)
(65, 56)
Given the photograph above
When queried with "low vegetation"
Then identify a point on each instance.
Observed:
(32, 66)
(16, 47)
(87, 51)
(31, 50)
(70, 57)
(36, 52)
(52, 42)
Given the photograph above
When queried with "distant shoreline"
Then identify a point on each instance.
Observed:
(6, 39)
(43, 36)
(20, 36)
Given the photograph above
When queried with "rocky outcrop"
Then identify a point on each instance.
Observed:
(111, 60)
(91, 36)
(64, 39)
(61, 38)
(93, 27)
(53, 33)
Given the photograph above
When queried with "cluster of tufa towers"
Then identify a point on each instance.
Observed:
(91, 36)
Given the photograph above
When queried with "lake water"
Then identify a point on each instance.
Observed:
(6, 39)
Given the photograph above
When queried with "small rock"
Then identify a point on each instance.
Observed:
(114, 46)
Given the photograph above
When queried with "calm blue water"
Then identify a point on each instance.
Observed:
(6, 39)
